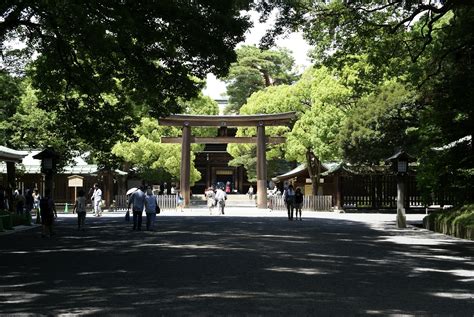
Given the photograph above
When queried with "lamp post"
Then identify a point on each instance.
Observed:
(399, 163)
(49, 160)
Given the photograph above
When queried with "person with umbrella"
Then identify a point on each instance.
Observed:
(138, 201)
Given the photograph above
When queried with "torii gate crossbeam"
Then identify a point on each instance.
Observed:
(259, 121)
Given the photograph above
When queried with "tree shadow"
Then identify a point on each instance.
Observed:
(233, 265)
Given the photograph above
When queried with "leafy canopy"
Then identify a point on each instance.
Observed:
(256, 69)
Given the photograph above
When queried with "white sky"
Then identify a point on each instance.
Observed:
(294, 42)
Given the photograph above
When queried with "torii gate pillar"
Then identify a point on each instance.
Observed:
(261, 167)
(185, 177)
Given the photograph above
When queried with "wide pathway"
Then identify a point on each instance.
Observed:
(244, 263)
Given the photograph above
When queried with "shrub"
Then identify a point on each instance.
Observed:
(456, 222)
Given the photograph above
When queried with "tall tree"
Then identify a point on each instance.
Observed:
(256, 69)
(118, 61)
(380, 122)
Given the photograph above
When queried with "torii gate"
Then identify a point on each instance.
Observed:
(259, 121)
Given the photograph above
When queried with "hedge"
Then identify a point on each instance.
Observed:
(456, 222)
(18, 220)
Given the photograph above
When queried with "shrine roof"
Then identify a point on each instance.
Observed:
(254, 120)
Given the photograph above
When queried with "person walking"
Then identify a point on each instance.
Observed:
(221, 197)
(138, 201)
(179, 201)
(20, 202)
(28, 200)
(250, 192)
(289, 199)
(36, 199)
(298, 202)
(150, 208)
(97, 200)
(80, 209)
(211, 199)
(48, 214)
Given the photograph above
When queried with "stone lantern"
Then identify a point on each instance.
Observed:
(49, 159)
(399, 163)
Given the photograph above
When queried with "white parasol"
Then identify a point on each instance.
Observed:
(131, 190)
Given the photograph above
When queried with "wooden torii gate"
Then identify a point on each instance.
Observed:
(259, 121)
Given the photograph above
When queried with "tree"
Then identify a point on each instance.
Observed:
(320, 100)
(380, 122)
(10, 91)
(274, 99)
(147, 152)
(426, 45)
(118, 60)
(256, 69)
(313, 138)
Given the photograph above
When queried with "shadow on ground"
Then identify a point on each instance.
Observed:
(220, 266)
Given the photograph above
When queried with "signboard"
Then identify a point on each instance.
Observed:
(75, 181)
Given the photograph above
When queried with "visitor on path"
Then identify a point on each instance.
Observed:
(150, 208)
(270, 198)
(298, 202)
(179, 201)
(227, 187)
(28, 200)
(3, 205)
(289, 199)
(80, 209)
(221, 197)
(20, 202)
(211, 199)
(36, 199)
(138, 201)
(48, 213)
(250, 192)
(97, 200)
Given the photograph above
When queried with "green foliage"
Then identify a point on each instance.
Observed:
(316, 131)
(100, 66)
(256, 69)
(10, 92)
(457, 222)
(379, 123)
(319, 99)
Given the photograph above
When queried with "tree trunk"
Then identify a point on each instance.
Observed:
(314, 169)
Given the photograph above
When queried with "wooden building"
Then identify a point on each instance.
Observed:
(213, 164)
(29, 176)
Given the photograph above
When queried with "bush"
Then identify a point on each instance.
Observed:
(456, 222)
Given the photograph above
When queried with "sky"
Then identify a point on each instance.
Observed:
(294, 42)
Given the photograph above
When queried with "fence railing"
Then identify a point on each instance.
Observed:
(314, 203)
(164, 201)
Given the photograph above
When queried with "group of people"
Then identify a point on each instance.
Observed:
(216, 199)
(143, 201)
(22, 202)
(294, 201)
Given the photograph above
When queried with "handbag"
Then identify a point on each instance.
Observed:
(127, 216)
(157, 209)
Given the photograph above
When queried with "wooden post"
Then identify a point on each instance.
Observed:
(261, 168)
(337, 181)
(185, 176)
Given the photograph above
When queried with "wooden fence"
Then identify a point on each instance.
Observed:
(165, 202)
(380, 192)
(313, 203)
